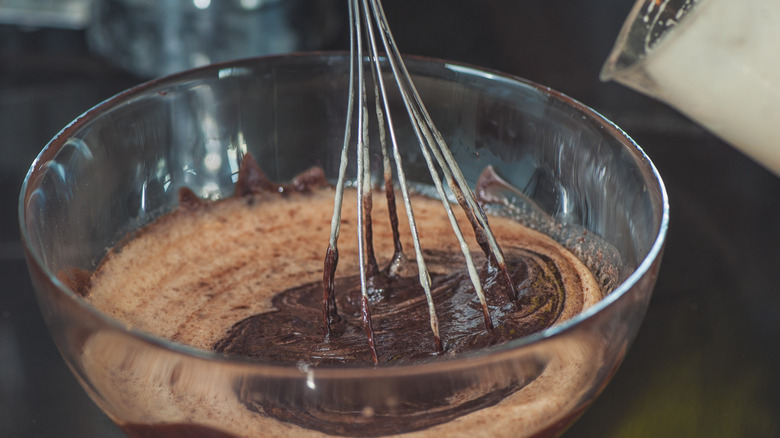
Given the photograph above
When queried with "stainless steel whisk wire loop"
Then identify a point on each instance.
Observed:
(366, 16)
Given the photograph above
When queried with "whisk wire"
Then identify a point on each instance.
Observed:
(329, 310)
(363, 186)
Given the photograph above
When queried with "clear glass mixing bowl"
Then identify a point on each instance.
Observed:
(119, 166)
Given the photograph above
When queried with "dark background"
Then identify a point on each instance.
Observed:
(706, 360)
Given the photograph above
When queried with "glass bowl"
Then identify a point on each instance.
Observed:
(576, 177)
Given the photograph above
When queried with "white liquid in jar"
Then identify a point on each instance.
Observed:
(721, 67)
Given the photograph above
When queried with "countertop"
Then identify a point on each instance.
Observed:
(706, 359)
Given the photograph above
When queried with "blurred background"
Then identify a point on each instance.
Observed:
(706, 360)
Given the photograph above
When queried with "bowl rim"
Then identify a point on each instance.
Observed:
(466, 360)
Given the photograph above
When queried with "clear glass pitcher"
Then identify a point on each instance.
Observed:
(716, 61)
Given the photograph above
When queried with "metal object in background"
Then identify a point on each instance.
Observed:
(154, 38)
(66, 14)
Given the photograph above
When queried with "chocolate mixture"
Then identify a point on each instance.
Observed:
(294, 332)
(547, 287)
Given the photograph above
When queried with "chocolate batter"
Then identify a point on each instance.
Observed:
(293, 332)
(243, 276)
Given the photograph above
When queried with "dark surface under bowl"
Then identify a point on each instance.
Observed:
(705, 360)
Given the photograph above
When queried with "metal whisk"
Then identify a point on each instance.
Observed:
(368, 19)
